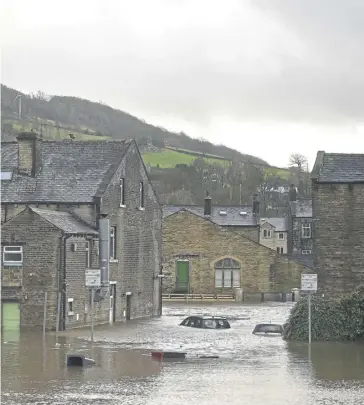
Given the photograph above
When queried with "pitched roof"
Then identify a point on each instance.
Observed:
(69, 171)
(236, 215)
(305, 260)
(304, 208)
(65, 221)
(338, 168)
(280, 224)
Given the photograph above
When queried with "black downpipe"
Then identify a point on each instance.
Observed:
(63, 284)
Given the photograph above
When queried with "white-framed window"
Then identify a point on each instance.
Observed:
(70, 306)
(227, 273)
(306, 230)
(281, 236)
(267, 233)
(122, 192)
(280, 250)
(141, 194)
(306, 251)
(112, 249)
(88, 254)
(13, 255)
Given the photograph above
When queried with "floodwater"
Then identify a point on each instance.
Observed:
(251, 370)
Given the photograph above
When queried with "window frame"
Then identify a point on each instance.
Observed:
(141, 195)
(280, 250)
(228, 274)
(305, 226)
(279, 235)
(88, 254)
(19, 250)
(269, 233)
(307, 252)
(122, 192)
(112, 255)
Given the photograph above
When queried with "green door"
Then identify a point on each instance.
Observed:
(10, 321)
(183, 277)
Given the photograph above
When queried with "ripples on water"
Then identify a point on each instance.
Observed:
(250, 369)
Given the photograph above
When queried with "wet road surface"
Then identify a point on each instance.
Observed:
(250, 369)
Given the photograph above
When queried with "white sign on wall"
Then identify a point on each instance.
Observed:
(309, 282)
(93, 278)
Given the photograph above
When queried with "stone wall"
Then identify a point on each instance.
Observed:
(39, 271)
(189, 237)
(251, 232)
(139, 238)
(299, 242)
(338, 236)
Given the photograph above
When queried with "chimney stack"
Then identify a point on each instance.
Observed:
(27, 153)
(255, 205)
(207, 206)
(292, 193)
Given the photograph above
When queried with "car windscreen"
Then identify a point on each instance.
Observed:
(216, 323)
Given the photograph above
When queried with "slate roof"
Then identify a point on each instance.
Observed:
(280, 224)
(339, 168)
(304, 208)
(65, 222)
(70, 171)
(232, 217)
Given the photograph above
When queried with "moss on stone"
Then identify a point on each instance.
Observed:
(339, 319)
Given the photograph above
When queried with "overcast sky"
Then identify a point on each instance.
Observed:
(266, 77)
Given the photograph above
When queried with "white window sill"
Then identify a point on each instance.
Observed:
(113, 261)
(70, 313)
(12, 264)
(122, 206)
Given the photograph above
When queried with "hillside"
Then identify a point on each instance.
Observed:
(59, 115)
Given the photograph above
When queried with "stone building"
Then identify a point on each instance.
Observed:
(299, 228)
(201, 256)
(338, 209)
(273, 233)
(54, 196)
(243, 219)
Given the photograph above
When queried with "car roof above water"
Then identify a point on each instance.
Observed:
(205, 317)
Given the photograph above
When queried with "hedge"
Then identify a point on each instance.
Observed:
(339, 319)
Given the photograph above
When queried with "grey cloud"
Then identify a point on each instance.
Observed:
(180, 74)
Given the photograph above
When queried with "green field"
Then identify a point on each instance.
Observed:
(51, 131)
(168, 158)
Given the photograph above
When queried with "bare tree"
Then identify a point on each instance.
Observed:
(296, 159)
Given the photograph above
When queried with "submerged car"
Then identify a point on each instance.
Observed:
(206, 322)
(267, 328)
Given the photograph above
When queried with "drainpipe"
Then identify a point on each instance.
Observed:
(63, 284)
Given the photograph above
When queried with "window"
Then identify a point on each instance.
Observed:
(6, 175)
(306, 252)
(122, 192)
(13, 255)
(112, 251)
(70, 306)
(88, 254)
(280, 250)
(267, 233)
(281, 235)
(306, 230)
(141, 194)
(227, 273)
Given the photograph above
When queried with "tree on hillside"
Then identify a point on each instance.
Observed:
(303, 178)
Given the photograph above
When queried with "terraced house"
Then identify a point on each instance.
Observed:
(300, 228)
(61, 202)
(204, 254)
(338, 209)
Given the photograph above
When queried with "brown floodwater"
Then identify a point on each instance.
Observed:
(250, 369)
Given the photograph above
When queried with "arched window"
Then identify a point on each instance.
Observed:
(227, 273)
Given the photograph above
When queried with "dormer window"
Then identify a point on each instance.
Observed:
(122, 192)
(223, 212)
(141, 194)
(243, 213)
